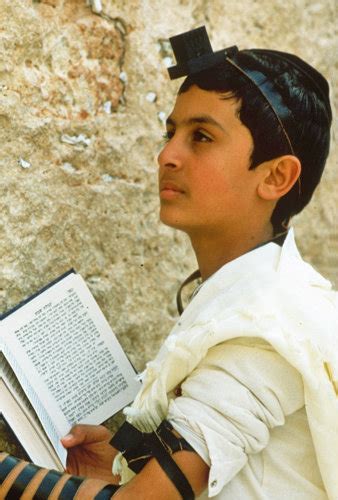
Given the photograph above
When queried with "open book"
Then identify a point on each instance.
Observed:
(60, 364)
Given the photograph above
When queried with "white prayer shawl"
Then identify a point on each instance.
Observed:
(270, 293)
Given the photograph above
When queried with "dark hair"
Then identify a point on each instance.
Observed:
(308, 128)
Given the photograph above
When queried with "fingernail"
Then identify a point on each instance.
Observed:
(67, 437)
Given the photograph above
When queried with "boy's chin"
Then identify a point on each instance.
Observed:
(171, 221)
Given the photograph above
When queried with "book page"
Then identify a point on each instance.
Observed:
(15, 388)
(23, 412)
(67, 359)
(52, 420)
(30, 436)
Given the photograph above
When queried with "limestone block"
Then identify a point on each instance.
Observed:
(83, 97)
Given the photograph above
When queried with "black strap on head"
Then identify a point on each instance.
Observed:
(272, 97)
(193, 53)
(315, 79)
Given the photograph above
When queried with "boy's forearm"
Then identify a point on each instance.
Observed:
(19, 479)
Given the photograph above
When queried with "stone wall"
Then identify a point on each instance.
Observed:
(82, 101)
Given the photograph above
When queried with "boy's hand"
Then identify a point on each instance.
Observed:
(89, 452)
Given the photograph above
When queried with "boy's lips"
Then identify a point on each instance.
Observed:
(169, 190)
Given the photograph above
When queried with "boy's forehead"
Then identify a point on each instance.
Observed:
(198, 105)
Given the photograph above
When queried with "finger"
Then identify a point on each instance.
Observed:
(86, 434)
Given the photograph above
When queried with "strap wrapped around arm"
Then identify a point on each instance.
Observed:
(171, 469)
(139, 447)
(16, 476)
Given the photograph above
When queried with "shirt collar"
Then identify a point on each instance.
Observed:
(235, 268)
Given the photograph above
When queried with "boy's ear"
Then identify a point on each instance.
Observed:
(279, 176)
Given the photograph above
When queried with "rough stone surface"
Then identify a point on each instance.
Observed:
(80, 134)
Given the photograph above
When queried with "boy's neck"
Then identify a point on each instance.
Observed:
(212, 252)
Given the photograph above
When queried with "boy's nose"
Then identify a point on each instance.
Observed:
(171, 155)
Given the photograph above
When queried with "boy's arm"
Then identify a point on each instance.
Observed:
(92, 455)
(20, 479)
(153, 483)
(89, 454)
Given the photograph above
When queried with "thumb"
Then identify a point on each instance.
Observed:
(69, 441)
(85, 434)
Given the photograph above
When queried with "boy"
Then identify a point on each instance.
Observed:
(241, 399)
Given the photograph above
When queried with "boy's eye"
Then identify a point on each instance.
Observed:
(197, 136)
(168, 134)
(200, 136)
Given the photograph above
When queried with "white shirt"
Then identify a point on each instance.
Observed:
(242, 410)
(270, 293)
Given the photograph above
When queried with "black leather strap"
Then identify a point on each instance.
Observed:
(131, 440)
(278, 239)
(171, 469)
(21, 482)
(107, 492)
(127, 437)
(194, 276)
(70, 488)
(134, 446)
(6, 466)
(139, 447)
(46, 485)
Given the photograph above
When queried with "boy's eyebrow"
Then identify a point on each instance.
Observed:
(196, 119)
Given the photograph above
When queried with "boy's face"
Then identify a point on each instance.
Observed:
(204, 178)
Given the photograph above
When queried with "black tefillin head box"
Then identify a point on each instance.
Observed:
(193, 53)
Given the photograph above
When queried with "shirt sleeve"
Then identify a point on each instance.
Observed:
(241, 390)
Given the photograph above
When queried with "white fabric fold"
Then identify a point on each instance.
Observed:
(269, 293)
